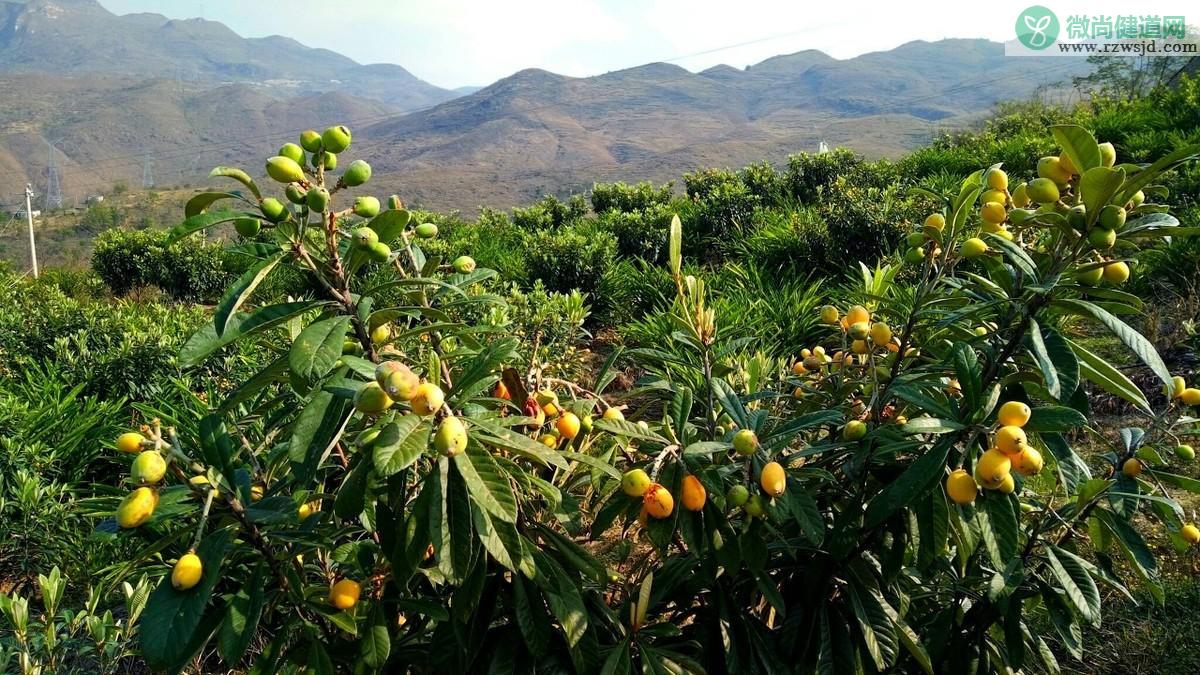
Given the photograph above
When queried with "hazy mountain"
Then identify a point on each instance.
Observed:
(536, 130)
(110, 90)
(72, 37)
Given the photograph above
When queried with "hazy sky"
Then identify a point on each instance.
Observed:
(475, 42)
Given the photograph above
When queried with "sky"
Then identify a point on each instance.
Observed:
(453, 43)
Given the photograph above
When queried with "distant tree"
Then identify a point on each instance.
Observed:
(1130, 77)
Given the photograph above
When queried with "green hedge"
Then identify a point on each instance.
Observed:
(189, 270)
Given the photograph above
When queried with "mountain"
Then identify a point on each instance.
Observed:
(537, 131)
(123, 95)
(74, 37)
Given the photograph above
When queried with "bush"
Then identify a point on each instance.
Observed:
(191, 269)
(640, 233)
(629, 198)
(808, 175)
(722, 207)
(866, 223)
(571, 258)
(493, 240)
(550, 213)
(793, 242)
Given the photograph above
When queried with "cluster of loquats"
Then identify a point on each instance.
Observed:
(1010, 452)
(1054, 200)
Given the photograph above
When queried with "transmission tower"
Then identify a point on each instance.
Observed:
(147, 170)
(53, 187)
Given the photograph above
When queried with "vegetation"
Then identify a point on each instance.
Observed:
(845, 416)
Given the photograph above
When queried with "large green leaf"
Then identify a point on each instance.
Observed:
(1054, 418)
(389, 224)
(400, 443)
(238, 175)
(1143, 178)
(318, 347)
(315, 431)
(203, 221)
(966, 367)
(1078, 144)
(998, 525)
(1072, 467)
(240, 291)
(916, 480)
(519, 443)
(1097, 186)
(1136, 551)
(351, 496)
(206, 340)
(241, 618)
(878, 631)
(200, 203)
(1132, 339)
(172, 618)
(503, 542)
(1073, 577)
(487, 483)
(1016, 255)
(1101, 373)
(376, 643)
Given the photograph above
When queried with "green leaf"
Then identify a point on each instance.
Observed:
(998, 524)
(1042, 356)
(1054, 418)
(240, 291)
(1136, 551)
(487, 484)
(908, 637)
(502, 542)
(171, 618)
(400, 443)
(1016, 255)
(315, 429)
(1075, 580)
(238, 175)
(518, 443)
(1072, 467)
(878, 631)
(594, 462)
(376, 643)
(1065, 362)
(216, 447)
(966, 367)
(916, 480)
(630, 430)
(205, 341)
(1099, 372)
(318, 347)
(389, 224)
(576, 555)
(1097, 186)
(730, 402)
(200, 203)
(204, 221)
(351, 496)
(1132, 339)
(1079, 145)
(931, 425)
(241, 619)
(1142, 178)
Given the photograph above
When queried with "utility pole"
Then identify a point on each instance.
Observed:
(29, 219)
